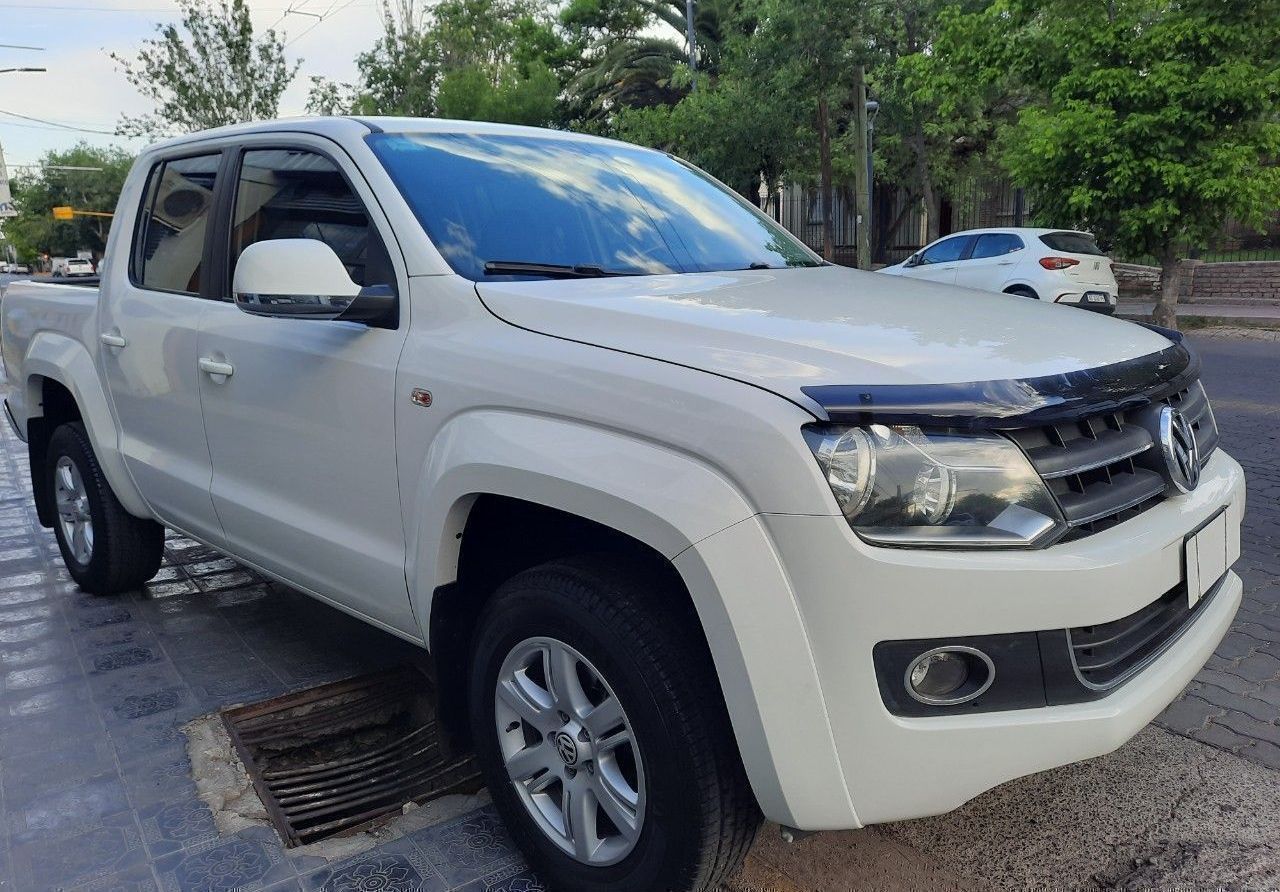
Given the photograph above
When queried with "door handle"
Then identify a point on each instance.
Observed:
(113, 340)
(213, 367)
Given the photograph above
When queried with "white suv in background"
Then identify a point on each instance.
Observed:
(1061, 266)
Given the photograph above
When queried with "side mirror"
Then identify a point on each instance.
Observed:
(302, 278)
(913, 260)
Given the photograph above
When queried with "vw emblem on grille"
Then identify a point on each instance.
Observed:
(567, 748)
(1181, 453)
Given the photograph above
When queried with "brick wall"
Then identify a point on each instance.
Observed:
(1248, 282)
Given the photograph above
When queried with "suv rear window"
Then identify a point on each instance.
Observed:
(1072, 243)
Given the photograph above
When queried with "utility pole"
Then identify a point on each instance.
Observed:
(691, 37)
(862, 169)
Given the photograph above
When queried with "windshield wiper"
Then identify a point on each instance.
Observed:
(551, 270)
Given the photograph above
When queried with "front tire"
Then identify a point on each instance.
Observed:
(105, 548)
(593, 696)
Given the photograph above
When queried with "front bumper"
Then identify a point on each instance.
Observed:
(851, 596)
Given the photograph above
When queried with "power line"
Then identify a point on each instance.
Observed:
(331, 11)
(57, 124)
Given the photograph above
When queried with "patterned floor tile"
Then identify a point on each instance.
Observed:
(45, 862)
(170, 827)
(395, 867)
(468, 848)
(70, 809)
(249, 862)
(516, 878)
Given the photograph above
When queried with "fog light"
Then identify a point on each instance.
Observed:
(949, 676)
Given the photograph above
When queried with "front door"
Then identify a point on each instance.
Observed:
(149, 328)
(302, 432)
(938, 262)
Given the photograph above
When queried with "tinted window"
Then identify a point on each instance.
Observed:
(1071, 242)
(287, 193)
(484, 198)
(996, 244)
(170, 240)
(945, 251)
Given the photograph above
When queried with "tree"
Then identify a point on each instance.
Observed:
(1151, 122)
(34, 231)
(209, 71)
(398, 76)
(808, 53)
(933, 117)
(494, 60)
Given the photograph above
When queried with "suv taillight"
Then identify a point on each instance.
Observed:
(1057, 262)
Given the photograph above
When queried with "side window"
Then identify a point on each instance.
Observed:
(293, 193)
(996, 244)
(169, 241)
(945, 251)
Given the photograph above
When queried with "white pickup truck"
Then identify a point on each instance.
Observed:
(695, 527)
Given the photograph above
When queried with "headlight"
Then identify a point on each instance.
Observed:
(908, 486)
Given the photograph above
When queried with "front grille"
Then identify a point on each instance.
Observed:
(1103, 469)
(1107, 654)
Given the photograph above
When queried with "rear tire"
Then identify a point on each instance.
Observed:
(1022, 291)
(631, 641)
(105, 548)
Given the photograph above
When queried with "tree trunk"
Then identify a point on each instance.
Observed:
(928, 198)
(824, 179)
(1166, 311)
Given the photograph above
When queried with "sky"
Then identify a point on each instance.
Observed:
(84, 88)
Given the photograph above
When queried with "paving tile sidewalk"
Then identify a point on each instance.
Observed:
(1234, 703)
(96, 790)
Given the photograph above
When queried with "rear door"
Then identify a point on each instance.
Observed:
(302, 433)
(990, 261)
(150, 319)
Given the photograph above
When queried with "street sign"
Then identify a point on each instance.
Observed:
(63, 213)
(6, 198)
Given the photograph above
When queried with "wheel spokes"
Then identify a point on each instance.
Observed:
(618, 802)
(526, 764)
(521, 696)
(561, 668)
(605, 717)
(578, 804)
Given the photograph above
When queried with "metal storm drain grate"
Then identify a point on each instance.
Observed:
(330, 759)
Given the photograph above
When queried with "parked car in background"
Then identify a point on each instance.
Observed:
(1057, 265)
(696, 528)
(71, 267)
(20, 268)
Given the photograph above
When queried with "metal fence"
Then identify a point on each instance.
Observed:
(899, 225)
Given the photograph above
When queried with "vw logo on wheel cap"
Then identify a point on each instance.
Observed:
(567, 748)
(1180, 450)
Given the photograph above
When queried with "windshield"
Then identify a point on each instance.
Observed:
(511, 206)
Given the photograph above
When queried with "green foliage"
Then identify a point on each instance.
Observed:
(209, 71)
(34, 231)
(1149, 123)
(494, 60)
(521, 95)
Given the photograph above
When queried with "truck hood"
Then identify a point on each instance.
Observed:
(787, 329)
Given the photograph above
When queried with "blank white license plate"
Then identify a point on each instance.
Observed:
(1206, 557)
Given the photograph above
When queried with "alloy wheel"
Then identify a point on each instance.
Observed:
(569, 751)
(72, 502)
